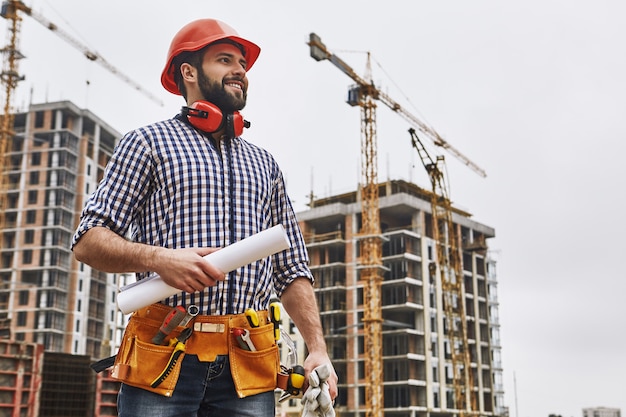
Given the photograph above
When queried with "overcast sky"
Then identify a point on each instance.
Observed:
(534, 92)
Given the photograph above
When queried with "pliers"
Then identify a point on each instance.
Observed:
(179, 349)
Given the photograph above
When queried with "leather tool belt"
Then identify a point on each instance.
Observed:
(139, 361)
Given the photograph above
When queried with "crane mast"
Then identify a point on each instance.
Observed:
(371, 253)
(370, 239)
(9, 78)
(449, 268)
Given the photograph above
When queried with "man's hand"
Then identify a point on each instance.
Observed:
(299, 301)
(316, 400)
(187, 270)
(315, 360)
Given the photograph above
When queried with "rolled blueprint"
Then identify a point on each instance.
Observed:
(142, 293)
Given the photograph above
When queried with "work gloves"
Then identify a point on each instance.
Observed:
(316, 400)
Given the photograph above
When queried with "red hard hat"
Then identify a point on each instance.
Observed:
(195, 36)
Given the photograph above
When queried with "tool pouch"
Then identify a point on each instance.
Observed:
(255, 372)
(139, 362)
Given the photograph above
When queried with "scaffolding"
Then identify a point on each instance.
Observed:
(20, 378)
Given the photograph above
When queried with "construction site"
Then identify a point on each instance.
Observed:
(405, 281)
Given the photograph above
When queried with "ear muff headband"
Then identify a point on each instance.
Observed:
(206, 116)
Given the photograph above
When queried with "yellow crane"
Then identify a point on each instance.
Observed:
(371, 239)
(364, 94)
(10, 78)
(12, 10)
(450, 269)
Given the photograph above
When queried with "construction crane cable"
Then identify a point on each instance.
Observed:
(407, 98)
(320, 52)
(91, 55)
(66, 22)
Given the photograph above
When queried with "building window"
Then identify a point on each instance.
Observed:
(31, 216)
(39, 118)
(32, 197)
(29, 236)
(31, 277)
(35, 159)
(34, 178)
(21, 318)
(23, 298)
(27, 256)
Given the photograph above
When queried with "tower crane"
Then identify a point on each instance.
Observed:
(364, 94)
(9, 11)
(371, 239)
(364, 87)
(448, 266)
(10, 77)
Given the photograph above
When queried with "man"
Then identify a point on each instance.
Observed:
(175, 191)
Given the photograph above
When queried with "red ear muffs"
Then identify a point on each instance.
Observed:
(206, 116)
(238, 123)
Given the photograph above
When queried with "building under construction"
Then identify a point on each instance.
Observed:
(55, 158)
(416, 352)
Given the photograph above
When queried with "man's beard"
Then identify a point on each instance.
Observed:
(215, 92)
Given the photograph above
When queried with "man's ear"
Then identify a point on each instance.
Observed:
(188, 72)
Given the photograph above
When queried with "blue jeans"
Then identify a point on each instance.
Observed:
(204, 389)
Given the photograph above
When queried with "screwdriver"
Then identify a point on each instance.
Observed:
(253, 317)
(179, 349)
(275, 318)
(170, 322)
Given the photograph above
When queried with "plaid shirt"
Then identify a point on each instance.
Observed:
(168, 185)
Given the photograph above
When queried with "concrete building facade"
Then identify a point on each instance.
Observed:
(55, 160)
(416, 354)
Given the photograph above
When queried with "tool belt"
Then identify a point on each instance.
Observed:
(139, 362)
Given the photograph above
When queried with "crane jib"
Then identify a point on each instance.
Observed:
(319, 52)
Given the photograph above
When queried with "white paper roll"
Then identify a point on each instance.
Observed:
(258, 246)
